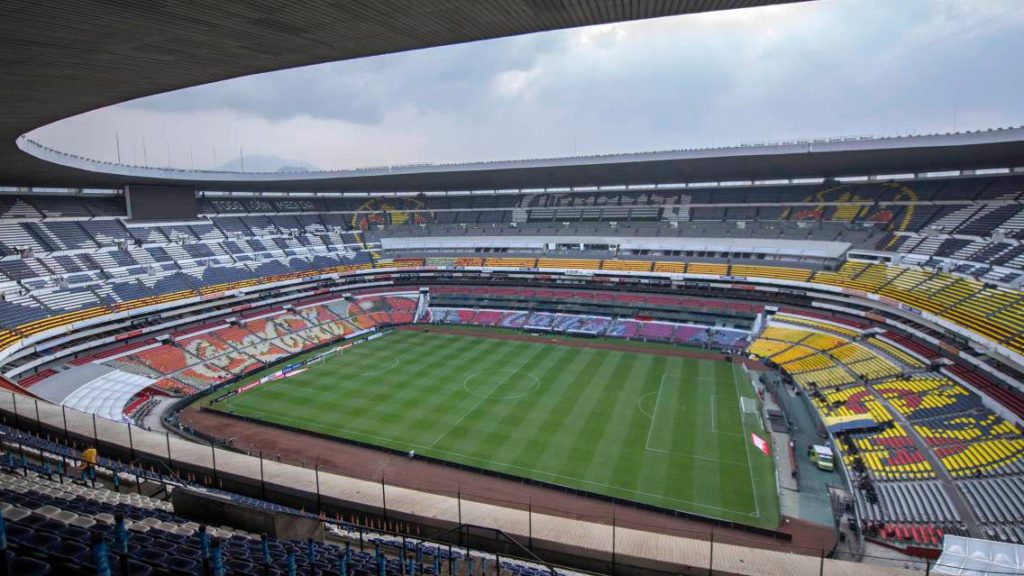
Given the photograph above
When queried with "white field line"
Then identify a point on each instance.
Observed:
(746, 444)
(713, 429)
(485, 398)
(654, 415)
(395, 362)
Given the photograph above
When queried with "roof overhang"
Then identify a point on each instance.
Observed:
(60, 58)
(1002, 148)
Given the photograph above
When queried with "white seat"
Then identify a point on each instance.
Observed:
(64, 516)
(104, 518)
(151, 522)
(15, 513)
(47, 511)
(83, 522)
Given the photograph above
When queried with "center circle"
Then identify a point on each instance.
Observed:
(501, 384)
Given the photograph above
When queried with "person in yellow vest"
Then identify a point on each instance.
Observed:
(89, 459)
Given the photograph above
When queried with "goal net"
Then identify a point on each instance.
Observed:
(749, 405)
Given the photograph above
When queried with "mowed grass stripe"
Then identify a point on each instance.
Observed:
(507, 434)
(629, 467)
(613, 426)
(579, 426)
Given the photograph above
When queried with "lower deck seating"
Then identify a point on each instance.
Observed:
(918, 511)
(998, 456)
(826, 378)
(578, 324)
(896, 352)
(165, 359)
(999, 506)
(204, 346)
(52, 526)
(886, 455)
(927, 396)
(850, 401)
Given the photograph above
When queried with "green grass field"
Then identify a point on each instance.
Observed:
(660, 430)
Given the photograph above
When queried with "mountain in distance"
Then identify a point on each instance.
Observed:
(266, 163)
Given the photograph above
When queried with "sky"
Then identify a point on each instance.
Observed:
(825, 68)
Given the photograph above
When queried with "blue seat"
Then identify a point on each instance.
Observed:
(39, 543)
(54, 527)
(104, 529)
(163, 545)
(187, 552)
(75, 533)
(67, 551)
(151, 556)
(34, 522)
(181, 565)
(134, 569)
(234, 566)
(30, 567)
(15, 532)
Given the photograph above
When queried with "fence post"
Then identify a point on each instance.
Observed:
(613, 538)
(14, 401)
(711, 553)
(821, 563)
(384, 498)
(529, 523)
(95, 434)
(170, 462)
(39, 421)
(458, 494)
(263, 485)
(131, 443)
(4, 567)
(64, 415)
(316, 473)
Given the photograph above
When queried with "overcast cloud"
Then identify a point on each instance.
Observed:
(819, 69)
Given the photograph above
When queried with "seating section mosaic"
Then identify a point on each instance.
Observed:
(595, 326)
(206, 356)
(895, 433)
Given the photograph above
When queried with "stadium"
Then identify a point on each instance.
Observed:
(800, 357)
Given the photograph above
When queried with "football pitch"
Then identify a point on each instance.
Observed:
(662, 430)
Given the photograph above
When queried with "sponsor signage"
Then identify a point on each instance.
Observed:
(759, 443)
(910, 309)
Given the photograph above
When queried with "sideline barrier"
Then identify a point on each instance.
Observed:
(582, 544)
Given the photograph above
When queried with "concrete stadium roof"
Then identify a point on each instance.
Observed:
(1001, 148)
(59, 58)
